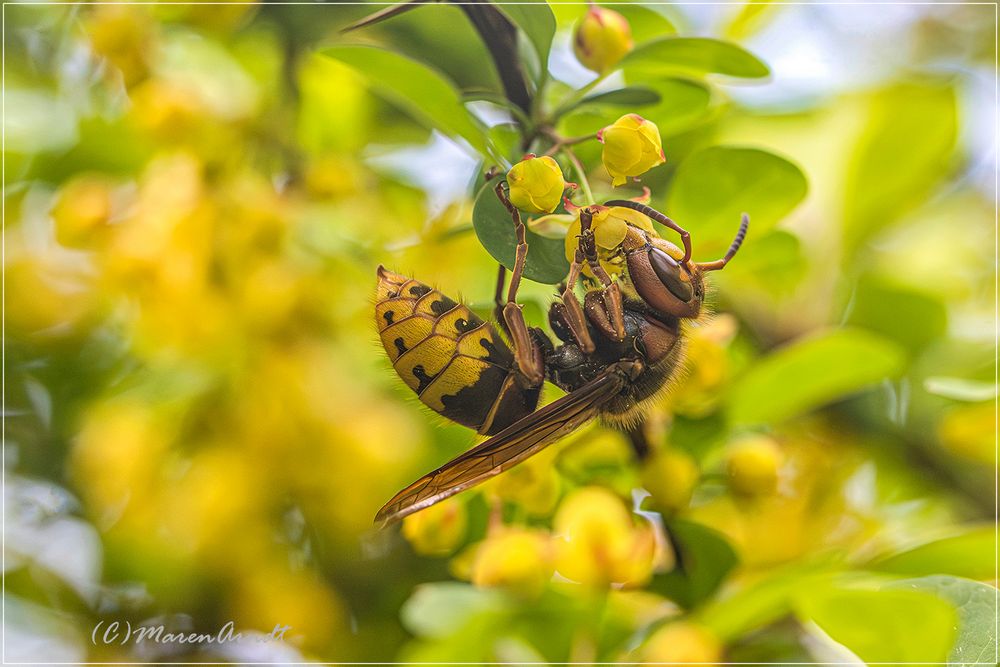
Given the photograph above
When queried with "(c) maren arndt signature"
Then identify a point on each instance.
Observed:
(123, 632)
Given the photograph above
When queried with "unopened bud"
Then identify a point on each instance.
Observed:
(536, 184)
(752, 466)
(602, 38)
(632, 147)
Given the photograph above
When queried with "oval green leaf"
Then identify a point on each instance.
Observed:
(892, 171)
(646, 21)
(699, 55)
(439, 609)
(912, 318)
(810, 373)
(714, 186)
(546, 261)
(416, 88)
(976, 640)
(967, 555)
(683, 104)
(630, 96)
(775, 266)
(704, 559)
(885, 625)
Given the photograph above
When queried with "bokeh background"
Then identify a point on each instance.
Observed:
(200, 423)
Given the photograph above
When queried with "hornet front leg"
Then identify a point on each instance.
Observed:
(527, 354)
(604, 309)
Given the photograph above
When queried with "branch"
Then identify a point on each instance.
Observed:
(500, 37)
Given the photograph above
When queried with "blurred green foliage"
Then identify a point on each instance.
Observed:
(199, 424)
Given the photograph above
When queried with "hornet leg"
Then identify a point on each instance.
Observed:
(527, 354)
(569, 312)
(640, 442)
(498, 299)
(612, 320)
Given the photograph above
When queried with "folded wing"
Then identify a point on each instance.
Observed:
(507, 448)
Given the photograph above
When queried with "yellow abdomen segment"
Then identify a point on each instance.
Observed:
(455, 362)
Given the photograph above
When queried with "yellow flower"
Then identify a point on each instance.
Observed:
(516, 559)
(533, 486)
(681, 642)
(82, 210)
(600, 545)
(670, 476)
(967, 431)
(610, 226)
(536, 184)
(125, 36)
(752, 465)
(632, 147)
(437, 530)
(602, 38)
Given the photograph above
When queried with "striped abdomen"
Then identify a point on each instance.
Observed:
(456, 363)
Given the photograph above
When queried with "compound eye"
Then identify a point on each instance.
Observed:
(669, 272)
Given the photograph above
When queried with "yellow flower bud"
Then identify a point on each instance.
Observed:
(602, 38)
(681, 642)
(516, 559)
(536, 184)
(437, 530)
(632, 147)
(600, 545)
(752, 465)
(670, 476)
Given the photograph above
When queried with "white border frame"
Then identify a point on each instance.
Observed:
(3, 312)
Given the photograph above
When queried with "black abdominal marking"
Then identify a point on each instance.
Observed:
(422, 377)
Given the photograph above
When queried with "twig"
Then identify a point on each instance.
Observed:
(580, 173)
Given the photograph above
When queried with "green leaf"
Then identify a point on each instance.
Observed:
(809, 373)
(970, 554)
(683, 103)
(699, 55)
(535, 19)
(961, 389)
(750, 18)
(499, 99)
(714, 186)
(419, 90)
(704, 558)
(646, 22)
(885, 625)
(912, 318)
(776, 265)
(437, 610)
(976, 640)
(903, 152)
(506, 137)
(762, 602)
(546, 261)
(630, 96)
